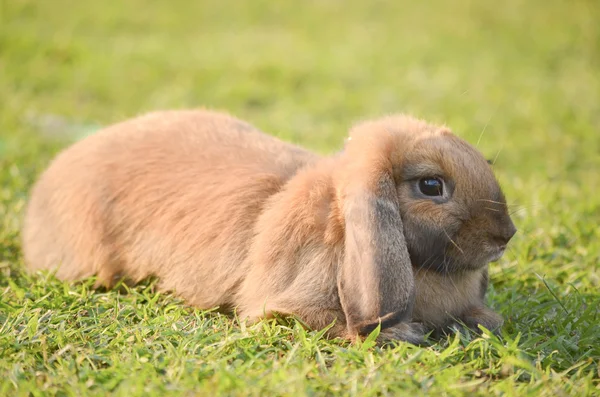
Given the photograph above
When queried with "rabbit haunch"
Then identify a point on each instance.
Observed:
(225, 215)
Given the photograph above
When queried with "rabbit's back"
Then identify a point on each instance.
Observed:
(172, 194)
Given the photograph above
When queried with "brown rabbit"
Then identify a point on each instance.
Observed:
(397, 229)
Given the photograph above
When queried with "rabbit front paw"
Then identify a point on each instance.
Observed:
(406, 332)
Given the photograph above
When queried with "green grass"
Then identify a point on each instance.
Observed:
(520, 77)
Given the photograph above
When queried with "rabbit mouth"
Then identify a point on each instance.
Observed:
(497, 254)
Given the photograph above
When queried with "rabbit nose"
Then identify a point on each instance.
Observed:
(506, 235)
(512, 230)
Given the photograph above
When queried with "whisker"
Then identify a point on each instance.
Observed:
(453, 242)
(445, 264)
(422, 267)
(525, 206)
(497, 202)
(531, 206)
(511, 251)
(492, 209)
(448, 276)
(427, 261)
(482, 131)
(521, 207)
(517, 210)
(497, 154)
(491, 201)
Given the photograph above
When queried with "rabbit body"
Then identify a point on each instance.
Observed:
(225, 215)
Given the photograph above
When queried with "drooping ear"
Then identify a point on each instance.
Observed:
(375, 278)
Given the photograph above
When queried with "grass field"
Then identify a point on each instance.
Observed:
(521, 78)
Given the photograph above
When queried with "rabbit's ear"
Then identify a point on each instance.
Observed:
(375, 280)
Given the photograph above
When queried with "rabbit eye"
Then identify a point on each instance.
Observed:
(431, 186)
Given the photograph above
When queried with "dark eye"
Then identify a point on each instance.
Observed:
(431, 186)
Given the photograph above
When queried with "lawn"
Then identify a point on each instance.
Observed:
(521, 79)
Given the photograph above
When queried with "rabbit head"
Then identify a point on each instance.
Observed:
(414, 197)
(453, 211)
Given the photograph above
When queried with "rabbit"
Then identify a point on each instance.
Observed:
(394, 231)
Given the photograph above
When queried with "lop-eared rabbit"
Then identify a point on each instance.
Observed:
(395, 230)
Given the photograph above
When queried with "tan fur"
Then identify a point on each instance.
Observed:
(225, 215)
(443, 298)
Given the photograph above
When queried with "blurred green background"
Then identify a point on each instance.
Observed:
(520, 78)
(526, 69)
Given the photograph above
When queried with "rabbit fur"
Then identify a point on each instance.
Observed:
(227, 216)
